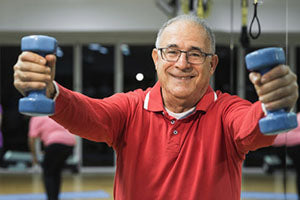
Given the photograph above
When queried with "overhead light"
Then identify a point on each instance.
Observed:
(139, 76)
(94, 46)
(125, 49)
(103, 50)
(98, 47)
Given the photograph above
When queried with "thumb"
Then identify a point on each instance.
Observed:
(255, 78)
(51, 62)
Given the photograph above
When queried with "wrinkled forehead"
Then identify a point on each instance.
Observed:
(185, 34)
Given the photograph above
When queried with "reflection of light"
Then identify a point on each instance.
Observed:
(59, 52)
(94, 47)
(139, 76)
(103, 50)
(98, 47)
(125, 49)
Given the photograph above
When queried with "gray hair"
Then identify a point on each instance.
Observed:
(193, 18)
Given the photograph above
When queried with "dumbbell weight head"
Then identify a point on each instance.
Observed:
(265, 59)
(40, 44)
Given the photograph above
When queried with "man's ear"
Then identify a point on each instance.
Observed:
(213, 64)
(155, 57)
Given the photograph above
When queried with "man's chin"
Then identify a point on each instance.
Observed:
(181, 94)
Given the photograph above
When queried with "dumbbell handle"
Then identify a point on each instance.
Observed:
(36, 103)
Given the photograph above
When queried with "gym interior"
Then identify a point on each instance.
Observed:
(105, 48)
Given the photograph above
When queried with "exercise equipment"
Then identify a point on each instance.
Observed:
(244, 38)
(262, 61)
(20, 160)
(255, 18)
(36, 103)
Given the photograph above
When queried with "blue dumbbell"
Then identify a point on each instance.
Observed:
(262, 61)
(36, 103)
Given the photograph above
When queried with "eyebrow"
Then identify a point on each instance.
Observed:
(172, 45)
(191, 48)
(196, 48)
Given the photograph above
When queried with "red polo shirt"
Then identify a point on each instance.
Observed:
(159, 157)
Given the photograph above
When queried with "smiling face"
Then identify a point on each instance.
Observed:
(182, 82)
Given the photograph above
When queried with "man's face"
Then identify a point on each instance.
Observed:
(181, 79)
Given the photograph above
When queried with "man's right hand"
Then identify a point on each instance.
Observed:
(34, 72)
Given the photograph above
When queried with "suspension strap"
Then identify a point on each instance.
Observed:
(185, 6)
(244, 33)
(255, 17)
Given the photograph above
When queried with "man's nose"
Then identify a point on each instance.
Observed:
(182, 61)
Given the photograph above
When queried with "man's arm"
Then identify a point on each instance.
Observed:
(101, 120)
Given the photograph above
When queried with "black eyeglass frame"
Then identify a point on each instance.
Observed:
(186, 54)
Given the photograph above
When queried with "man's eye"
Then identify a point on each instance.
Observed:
(172, 52)
(195, 54)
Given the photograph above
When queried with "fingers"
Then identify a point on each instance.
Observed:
(32, 57)
(276, 89)
(286, 102)
(255, 78)
(51, 62)
(32, 72)
(275, 73)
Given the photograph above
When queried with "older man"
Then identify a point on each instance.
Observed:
(179, 139)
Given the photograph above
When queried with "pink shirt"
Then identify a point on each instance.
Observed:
(50, 132)
(291, 138)
(161, 158)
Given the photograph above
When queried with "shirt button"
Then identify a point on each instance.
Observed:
(172, 121)
(175, 132)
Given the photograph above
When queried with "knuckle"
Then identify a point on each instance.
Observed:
(23, 76)
(16, 76)
(23, 55)
(48, 78)
(16, 84)
(17, 67)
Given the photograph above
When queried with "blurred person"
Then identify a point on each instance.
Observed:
(58, 146)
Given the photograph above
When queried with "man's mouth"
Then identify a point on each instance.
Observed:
(182, 77)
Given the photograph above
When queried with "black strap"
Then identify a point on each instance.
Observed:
(251, 25)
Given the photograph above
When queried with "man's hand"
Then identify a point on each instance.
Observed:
(34, 72)
(277, 88)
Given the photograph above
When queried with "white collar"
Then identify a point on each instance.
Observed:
(181, 115)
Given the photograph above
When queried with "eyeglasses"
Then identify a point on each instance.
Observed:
(192, 56)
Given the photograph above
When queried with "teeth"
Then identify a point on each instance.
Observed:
(185, 78)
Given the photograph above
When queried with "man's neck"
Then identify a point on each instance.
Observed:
(179, 105)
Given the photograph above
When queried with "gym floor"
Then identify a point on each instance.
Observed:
(99, 186)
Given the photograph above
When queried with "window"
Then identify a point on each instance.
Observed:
(98, 79)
